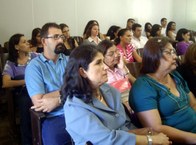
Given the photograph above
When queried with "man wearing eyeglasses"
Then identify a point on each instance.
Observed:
(44, 78)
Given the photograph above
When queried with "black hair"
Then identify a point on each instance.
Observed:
(180, 33)
(169, 27)
(88, 24)
(154, 30)
(163, 19)
(35, 32)
(146, 27)
(135, 26)
(13, 52)
(113, 29)
(120, 33)
(74, 83)
(104, 45)
(45, 28)
(70, 40)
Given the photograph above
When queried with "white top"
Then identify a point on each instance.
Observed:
(90, 39)
(139, 43)
(163, 31)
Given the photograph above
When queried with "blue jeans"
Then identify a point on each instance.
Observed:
(54, 133)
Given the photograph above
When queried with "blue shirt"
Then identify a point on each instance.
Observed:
(98, 123)
(16, 72)
(43, 76)
(147, 94)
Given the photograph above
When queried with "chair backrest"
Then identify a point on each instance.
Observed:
(140, 51)
(180, 59)
(4, 57)
(134, 68)
(6, 47)
(36, 125)
(1, 56)
(78, 39)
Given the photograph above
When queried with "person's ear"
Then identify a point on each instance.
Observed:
(82, 72)
(183, 36)
(16, 47)
(43, 41)
(120, 38)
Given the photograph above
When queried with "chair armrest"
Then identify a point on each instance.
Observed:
(37, 115)
(36, 124)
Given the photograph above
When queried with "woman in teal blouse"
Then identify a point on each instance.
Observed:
(161, 97)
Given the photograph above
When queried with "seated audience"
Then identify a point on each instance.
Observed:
(69, 42)
(126, 49)
(91, 35)
(170, 30)
(163, 25)
(148, 29)
(100, 35)
(44, 78)
(13, 76)
(97, 114)
(188, 68)
(36, 44)
(112, 33)
(161, 97)
(182, 38)
(138, 40)
(156, 31)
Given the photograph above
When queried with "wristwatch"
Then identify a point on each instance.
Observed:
(149, 138)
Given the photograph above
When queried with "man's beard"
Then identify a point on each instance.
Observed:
(60, 48)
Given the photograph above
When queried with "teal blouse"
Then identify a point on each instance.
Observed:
(147, 94)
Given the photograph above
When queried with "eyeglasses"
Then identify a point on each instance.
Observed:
(170, 52)
(56, 37)
(111, 53)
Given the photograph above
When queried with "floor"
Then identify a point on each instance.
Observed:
(6, 135)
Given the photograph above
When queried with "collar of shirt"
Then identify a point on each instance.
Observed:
(116, 70)
(44, 59)
(137, 39)
(92, 40)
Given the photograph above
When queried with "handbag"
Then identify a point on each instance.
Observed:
(121, 85)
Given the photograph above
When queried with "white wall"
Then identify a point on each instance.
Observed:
(21, 16)
(184, 13)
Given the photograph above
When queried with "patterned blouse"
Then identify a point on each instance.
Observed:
(127, 53)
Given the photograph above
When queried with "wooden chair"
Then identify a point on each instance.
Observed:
(134, 68)
(12, 112)
(180, 59)
(36, 124)
(10, 97)
(6, 46)
(78, 39)
(140, 51)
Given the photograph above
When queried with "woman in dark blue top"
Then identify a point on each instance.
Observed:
(161, 97)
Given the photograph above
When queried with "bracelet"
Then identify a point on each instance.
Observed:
(149, 138)
(60, 101)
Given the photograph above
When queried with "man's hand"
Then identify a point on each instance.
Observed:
(46, 104)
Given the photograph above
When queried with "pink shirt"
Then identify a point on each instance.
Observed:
(128, 53)
(118, 80)
(115, 75)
